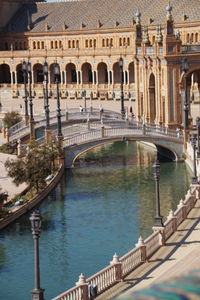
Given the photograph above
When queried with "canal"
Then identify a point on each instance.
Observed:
(100, 207)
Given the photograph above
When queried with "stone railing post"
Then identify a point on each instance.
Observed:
(84, 287)
(118, 266)
(142, 246)
(183, 208)
(174, 221)
(7, 135)
(19, 148)
(161, 231)
(48, 136)
(102, 131)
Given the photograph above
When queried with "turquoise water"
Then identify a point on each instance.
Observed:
(100, 207)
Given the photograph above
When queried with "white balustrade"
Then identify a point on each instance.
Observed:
(104, 279)
(131, 260)
(169, 228)
(152, 243)
(73, 294)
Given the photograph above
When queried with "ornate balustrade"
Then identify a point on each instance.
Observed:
(119, 268)
(152, 243)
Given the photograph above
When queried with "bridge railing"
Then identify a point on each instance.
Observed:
(120, 267)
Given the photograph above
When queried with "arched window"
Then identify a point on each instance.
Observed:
(128, 41)
(86, 43)
(192, 37)
(69, 44)
(77, 44)
(107, 42)
(111, 42)
(73, 44)
(60, 44)
(56, 44)
(188, 38)
(153, 39)
(42, 45)
(120, 42)
(51, 44)
(124, 41)
(95, 43)
(196, 37)
(38, 45)
(103, 43)
(34, 45)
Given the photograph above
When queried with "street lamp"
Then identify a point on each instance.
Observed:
(198, 136)
(36, 220)
(156, 173)
(185, 68)
(46, 97)
(31, 121)
(57, 80)
(121, 63)
(83, 94)
(193, 139)
(24, 69)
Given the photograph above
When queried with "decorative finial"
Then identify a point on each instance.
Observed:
(138, 17)
(169, 12)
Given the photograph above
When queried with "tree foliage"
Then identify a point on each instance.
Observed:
(11, 118)
(34, 167)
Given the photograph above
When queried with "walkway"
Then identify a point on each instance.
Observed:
(180, 254)
(6, 183)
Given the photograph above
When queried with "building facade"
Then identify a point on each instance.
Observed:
(88, 37)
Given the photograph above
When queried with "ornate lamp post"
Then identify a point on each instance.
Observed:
(185, 68)
(121, 63)
(57, 77)
(46, 97)
(31, 121)
(156, 173)
(198, 136)
(193, 139)
(24, 69)
(36, 220)
(83, 94)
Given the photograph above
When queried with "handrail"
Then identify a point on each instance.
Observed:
(119, 268)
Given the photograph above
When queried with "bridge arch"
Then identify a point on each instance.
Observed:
(164, 148)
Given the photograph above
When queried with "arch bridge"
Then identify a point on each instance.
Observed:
(166, 140)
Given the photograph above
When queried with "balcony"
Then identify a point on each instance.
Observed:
(191, 48)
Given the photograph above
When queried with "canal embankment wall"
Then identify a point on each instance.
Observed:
(35, 201)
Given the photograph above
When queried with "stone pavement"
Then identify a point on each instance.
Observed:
(6, 183)
(180, 254)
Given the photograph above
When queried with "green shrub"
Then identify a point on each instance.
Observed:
(9, 148)
(11, 118)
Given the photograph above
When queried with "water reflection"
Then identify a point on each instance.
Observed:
(100, 207)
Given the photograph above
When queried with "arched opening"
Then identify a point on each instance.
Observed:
(38, 73)
(20, 77)
(71, 73)
(116, 72)
(5, 76)
(86, 73)
(152, 98)
(131, 72)
(102, 73)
